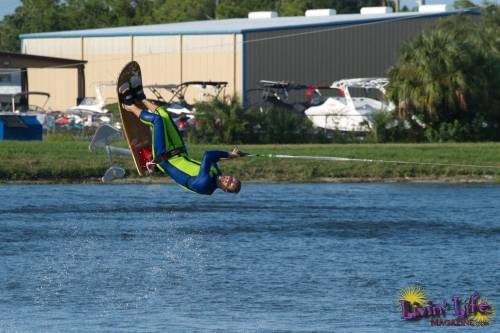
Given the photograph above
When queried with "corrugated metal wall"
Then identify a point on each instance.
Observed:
(61, 84)
(159, 57)
(176, 59)
(106, 57)
(163, 59)
(323, 55)
(213, 58)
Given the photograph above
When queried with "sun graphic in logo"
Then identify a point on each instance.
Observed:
(414, 295)
(484, 317)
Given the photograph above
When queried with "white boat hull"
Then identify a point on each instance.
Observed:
(347, 113)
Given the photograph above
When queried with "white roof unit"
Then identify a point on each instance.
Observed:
(375, 10)
(438, 8)
(262, 15)
(321, 12)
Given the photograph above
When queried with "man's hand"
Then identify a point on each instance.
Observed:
(235, 153)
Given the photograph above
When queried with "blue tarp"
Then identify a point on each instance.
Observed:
(20, 127)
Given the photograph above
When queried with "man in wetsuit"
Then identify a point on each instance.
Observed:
(169, 153)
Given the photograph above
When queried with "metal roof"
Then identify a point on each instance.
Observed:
(18, 60)
(240, 25)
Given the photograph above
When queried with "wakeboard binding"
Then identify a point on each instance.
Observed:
(131, 91)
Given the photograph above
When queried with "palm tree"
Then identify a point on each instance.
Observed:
(435, 78)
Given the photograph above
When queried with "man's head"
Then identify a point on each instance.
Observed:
(229, 184)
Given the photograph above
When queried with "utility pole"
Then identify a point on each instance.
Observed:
(396, 5)
(386, 3)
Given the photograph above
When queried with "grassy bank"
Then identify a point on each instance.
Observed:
(61, 159)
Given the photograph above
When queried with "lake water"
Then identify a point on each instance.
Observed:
(276, 258)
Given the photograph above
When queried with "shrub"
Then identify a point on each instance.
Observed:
(385, 127)
(226, 121)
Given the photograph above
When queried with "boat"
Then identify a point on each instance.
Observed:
(19, 105)
(20, 120)
(182, 112)
(349, 104)
(276, 94)
(176, 104)
(90, 112)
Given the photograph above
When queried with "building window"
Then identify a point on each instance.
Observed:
(5, 78)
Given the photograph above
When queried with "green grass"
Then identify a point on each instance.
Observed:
(63, 158)
(55, 158)
(305, 170)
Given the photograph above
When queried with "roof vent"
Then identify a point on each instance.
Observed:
(438, 8)
(375, 10)
(321, 12)
(262, 15)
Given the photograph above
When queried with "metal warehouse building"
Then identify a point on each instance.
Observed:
(308, 49)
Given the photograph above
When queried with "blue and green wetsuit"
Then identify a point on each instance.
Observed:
(190, 174)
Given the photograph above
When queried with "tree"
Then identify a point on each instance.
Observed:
(461, 4)
(187, 10)
(237, 8)
(491, 27)
(447, 78)
(91, 14)
(31, 16)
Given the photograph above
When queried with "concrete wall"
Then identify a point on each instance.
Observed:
(163, 59)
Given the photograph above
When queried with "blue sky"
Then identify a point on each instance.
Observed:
(8, 6)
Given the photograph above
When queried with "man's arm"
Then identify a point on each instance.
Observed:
(210, 158)
(236, 152)
(150, 105)
(137, 111)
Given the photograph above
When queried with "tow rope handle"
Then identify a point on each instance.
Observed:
(243, 154)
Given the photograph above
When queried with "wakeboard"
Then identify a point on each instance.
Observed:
(137, 134)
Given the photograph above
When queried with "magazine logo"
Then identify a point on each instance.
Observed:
(469, 311)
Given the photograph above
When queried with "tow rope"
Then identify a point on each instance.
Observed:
(346, 159)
